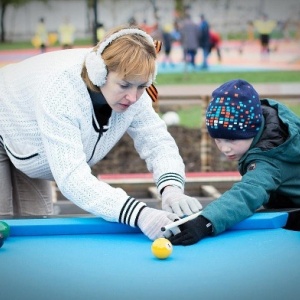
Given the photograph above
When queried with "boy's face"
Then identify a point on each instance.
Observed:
(233, 149)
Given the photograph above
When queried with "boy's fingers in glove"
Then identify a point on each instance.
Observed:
(182, 238)
(192, 232)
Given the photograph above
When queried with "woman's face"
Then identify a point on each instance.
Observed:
(120, 93)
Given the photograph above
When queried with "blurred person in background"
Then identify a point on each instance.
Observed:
(204, 41)
(167, 39)
(41, 35)
(264, 26)
(215, 43)
(100, 32)
(189, 38)
(66, 32)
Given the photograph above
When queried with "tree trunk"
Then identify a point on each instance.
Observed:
(2, 14)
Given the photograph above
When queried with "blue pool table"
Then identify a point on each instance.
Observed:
(89, 258)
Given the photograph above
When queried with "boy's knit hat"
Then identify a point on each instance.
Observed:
(234, 112)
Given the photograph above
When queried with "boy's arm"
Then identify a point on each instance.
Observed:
(235, 205)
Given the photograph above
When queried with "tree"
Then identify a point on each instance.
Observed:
(4, 4)
(155, 10)
(179, 8)
(93, 4)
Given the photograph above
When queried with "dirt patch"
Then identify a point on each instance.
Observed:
(124, 159)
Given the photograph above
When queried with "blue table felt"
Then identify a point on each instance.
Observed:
(118, 264)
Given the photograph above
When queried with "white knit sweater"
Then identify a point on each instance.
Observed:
(46, 117)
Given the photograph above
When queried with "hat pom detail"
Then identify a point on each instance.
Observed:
(96, 68)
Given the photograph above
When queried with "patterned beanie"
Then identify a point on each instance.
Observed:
(234, 112)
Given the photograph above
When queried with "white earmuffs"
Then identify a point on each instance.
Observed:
(94, 63)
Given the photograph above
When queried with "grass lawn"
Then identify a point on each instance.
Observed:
(191, 116)
(221, 77)
(28, 45)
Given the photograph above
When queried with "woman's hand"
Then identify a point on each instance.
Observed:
(152, 220)
(174, 200)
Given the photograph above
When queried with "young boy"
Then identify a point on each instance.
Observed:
(264, 137)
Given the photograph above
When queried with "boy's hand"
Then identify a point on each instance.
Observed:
(192, 232)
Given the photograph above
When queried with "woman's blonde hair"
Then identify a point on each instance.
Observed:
(131, 56)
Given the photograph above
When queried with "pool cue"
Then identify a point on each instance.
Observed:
(181, 221)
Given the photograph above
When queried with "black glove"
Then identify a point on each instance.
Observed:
(192, 232)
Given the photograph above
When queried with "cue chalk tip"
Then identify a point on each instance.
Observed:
(164, 228)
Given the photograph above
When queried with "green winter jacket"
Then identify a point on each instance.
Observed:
(270, 171)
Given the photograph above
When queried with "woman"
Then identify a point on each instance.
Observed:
(63, 111)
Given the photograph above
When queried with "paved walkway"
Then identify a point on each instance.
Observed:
(285, 57)
(265, 90)
(236, 57)
(244, 57)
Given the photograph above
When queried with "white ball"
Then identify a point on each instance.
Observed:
(171, 118)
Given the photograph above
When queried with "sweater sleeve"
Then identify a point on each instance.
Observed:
(245, 197)
(60, 116)
(156, 146)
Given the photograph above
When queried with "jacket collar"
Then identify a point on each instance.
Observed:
(102, 111)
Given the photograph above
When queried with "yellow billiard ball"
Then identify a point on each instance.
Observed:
(162, 248)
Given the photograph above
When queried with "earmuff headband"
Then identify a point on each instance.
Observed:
(95, 65)
(120, 33)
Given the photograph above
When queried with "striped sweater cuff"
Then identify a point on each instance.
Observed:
(130, 212)
(170, 179)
